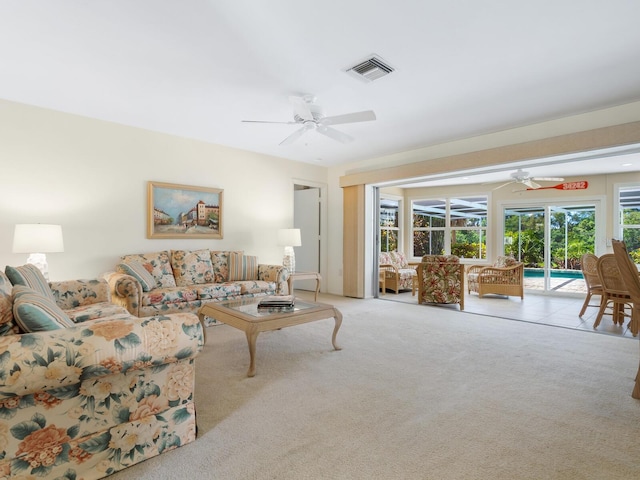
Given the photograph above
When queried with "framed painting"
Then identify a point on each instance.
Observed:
(183, 211)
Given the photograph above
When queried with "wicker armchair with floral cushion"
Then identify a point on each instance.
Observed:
(441, 280)
(398, 274)
(504, 277)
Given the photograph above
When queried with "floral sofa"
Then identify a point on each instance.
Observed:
(395, 272)
(441, 280)
(91, 389)
(181, 280)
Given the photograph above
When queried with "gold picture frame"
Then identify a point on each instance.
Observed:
(183, 211)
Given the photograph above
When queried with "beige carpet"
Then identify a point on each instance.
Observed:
(417, 392)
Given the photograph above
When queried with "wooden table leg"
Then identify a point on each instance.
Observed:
(252, 337)
(338, 317)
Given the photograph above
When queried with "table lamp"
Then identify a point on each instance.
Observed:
(38, 239)
(289, 238)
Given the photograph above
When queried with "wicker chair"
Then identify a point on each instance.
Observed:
(441, 280)
(395, 272)
(629, 273)
(589, 267)
(615, 298)
(504, 277)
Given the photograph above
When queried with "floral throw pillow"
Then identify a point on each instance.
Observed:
(160, 264)
(192, 267)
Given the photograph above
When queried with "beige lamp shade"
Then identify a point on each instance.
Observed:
(289, 237)
(38, 239)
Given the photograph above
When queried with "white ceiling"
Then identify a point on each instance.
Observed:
(197, 68)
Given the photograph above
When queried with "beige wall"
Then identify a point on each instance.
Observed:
(91, 177)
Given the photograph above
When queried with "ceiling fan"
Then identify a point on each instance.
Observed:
(521, 177)
(310, 116)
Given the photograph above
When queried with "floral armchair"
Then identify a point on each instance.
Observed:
(504, 277)
(441, 280)
(98, 396)
(395, 272)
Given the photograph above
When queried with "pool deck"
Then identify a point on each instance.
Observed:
(561, 285)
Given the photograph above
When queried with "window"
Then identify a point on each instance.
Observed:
(469, 227)
(389, 224)
(428, 221)
(450, 225)
(629, 217)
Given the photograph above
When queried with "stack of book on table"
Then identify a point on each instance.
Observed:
(277, 301)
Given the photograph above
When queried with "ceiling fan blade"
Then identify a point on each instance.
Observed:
(504, 185)
(365, 116)
(267, 121)
(549, 179)
(531, 184)
(294, 136)
(334, 134)
(301, 108)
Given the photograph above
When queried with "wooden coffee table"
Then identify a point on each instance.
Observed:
(244, 315)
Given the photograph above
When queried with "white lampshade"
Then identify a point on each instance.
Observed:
(37, 238)
(289, 237)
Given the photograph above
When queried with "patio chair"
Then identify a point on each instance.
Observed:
(395, 272)
(441, 280)
(615, 298)
(589, 267)
(629, 273)
(504, 277)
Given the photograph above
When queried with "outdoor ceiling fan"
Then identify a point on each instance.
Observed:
(521, 177)
(310, 116)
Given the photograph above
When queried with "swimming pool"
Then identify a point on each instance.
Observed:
(539, 273)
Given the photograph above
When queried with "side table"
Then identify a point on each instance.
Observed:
(305, 276)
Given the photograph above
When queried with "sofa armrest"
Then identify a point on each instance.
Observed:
(125, 291)
(275, 273)
(78, 293)
(58, 360)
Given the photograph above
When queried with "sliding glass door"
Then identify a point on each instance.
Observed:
(550, 239)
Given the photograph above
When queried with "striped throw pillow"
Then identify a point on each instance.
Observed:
(30, 276)
(242, 267)
(34, 312)
(138, 271)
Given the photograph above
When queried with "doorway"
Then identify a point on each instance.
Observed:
(310, 218)
(550, 240)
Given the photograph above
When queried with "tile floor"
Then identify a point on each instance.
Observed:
(557, 309)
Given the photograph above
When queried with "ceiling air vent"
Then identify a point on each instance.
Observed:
(371, 69)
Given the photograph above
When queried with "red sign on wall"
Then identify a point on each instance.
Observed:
(581, 185)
